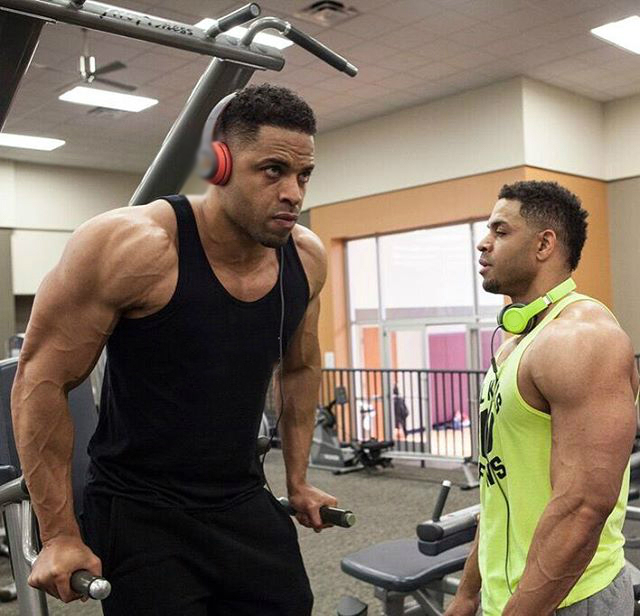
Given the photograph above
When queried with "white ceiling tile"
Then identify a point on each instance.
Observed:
(372, 91)
(440, 50)
(490, 9)
(628, 62)
(564, 8)
(303, 76)
(407, 11)
(373, 73)
(465, 80)
(400, 81)
(451, 5)
(426, 91)
(405, 61)
(509, 46)
(605, 54)
(157, 62)
(523, 19)
(405, 39)
(566, 66)
(605, 14)
(366, 26)
(556, 31)
(539, 56)
(445, 22)
(477, 36)
(575, 45)
(338, 40)
(340, 84)
(370, 52)
(471, 59)
(435, 71)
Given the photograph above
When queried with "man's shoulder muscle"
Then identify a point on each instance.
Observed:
(118, 254)
(581, 347)
(313, 256)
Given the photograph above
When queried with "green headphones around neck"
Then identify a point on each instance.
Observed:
(521, 318)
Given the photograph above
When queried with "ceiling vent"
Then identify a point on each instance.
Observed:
(327, 13)
(105, 112)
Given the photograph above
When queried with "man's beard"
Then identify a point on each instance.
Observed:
(259, 235)
(491, 286)
(271, 241)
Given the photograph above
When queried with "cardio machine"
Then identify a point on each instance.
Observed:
(328, 453)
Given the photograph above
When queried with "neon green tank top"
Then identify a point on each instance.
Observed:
(514, 466)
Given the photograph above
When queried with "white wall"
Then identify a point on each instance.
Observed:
(624, 230)
(562, 131)
(516, 122)
(469, 133)
(52, 197)
(622, 143)
(33, 254)
(43, 204)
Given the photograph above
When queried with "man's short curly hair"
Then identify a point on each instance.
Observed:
(265, 105)
(547, 205)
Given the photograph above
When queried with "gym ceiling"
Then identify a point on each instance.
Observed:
(408, 52)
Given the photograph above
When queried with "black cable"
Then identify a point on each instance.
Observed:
(493, 356)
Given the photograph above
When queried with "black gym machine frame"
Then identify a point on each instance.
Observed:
(233, 65)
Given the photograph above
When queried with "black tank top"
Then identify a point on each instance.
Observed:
(184, 388)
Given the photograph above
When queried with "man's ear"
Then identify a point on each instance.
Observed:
(547, 242)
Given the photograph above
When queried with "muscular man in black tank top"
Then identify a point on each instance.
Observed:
(187, 293)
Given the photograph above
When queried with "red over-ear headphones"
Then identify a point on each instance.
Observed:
(214, 157)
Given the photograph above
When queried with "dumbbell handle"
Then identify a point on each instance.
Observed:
(88, 585)
(329, 515)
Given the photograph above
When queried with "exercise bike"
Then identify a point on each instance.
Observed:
(329, 454)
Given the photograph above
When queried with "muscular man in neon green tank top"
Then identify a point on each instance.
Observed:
(558, 422)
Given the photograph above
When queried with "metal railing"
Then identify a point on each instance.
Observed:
(427, 413)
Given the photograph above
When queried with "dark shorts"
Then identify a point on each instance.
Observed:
(243, 561)
(617, 598)
(614, 600)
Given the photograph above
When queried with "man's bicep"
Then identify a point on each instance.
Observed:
(69, 324)
(304, 348)
(593, 422)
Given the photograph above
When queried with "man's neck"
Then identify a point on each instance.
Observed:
(223, 240)
(540, 287)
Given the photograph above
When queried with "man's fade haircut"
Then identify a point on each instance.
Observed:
(265, 105)
(547, 205)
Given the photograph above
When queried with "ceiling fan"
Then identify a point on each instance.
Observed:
(90, 72)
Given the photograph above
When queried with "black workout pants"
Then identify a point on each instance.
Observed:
(243, 561)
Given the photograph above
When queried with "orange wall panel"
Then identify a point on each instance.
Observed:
(593, 275)
(443, 203)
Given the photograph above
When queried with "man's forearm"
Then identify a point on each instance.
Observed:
(563, 545)
(44, 440)
(471, 582)
(297, 422)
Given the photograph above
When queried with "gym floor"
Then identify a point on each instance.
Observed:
(388, 505)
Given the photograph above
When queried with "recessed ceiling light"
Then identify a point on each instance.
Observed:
(624, 33)
(106, 98)
(31, 143)
(262, 38)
